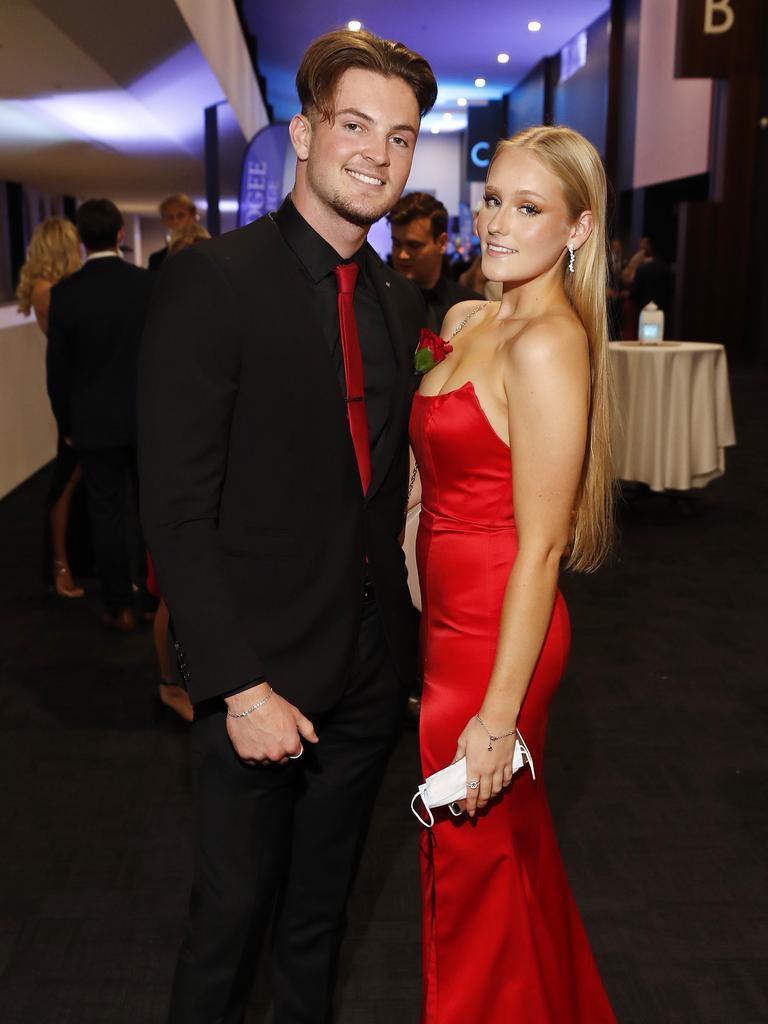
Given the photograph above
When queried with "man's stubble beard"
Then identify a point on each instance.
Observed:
(360, 218)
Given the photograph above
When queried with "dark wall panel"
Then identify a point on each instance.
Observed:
(581, 102)
(630, 54)
(526, 102)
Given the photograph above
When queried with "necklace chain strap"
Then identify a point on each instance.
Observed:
(412, 481)
(469, 316)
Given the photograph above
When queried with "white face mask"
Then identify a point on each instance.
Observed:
(450, 784)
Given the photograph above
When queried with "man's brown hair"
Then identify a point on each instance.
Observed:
(330, 55)
(416, 205)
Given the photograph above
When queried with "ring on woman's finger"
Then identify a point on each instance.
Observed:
(473, 785)
(295, 757)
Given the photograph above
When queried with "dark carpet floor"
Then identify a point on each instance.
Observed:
(656, 766)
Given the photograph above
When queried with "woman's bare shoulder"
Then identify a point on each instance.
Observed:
(552, 336)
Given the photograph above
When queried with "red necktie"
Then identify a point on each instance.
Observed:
(346, 276)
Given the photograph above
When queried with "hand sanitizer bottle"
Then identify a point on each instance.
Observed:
(650, 328)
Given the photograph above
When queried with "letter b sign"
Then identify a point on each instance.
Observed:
(718, 17)
(719, 38)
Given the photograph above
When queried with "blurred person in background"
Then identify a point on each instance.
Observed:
(171, 691)
(53, 254)
(628, 272)
(183, 237)
(419, 225)
(630, 310)
(616, 293)
(95, 322)
(652, 282)
(177, 211)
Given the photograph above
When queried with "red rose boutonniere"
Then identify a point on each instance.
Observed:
(431, 350)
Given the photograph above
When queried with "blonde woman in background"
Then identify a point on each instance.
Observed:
(184, 237)
(512, 436)
(53, 253)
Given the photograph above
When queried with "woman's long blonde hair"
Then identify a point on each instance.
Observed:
(577, 165)
(53, 253)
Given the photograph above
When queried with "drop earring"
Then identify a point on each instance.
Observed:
(571, 257)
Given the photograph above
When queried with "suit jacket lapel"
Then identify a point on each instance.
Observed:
(402, 341)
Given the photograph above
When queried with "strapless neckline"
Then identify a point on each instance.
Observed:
(469, 388)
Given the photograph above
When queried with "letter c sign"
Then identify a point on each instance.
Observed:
(476, 158)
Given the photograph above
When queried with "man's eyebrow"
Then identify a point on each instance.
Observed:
(367, 117)
(355, 113)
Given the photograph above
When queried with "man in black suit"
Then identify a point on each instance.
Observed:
(419, 224)
(653, 282)
(277, 554)
(177, 211)
(96, 319)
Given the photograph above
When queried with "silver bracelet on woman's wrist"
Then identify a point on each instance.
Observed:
(253, 707)
(492, 739)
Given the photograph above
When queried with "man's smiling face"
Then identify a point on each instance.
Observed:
(358, 163)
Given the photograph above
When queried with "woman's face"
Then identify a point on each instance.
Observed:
(523, 224)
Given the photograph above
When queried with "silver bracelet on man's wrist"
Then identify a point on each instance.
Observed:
(252, 708)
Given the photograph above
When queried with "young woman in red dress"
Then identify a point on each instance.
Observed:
(511, 435)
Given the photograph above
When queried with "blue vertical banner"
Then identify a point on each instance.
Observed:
(261, 181)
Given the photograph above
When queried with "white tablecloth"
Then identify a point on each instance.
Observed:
(27, 427)
(674, 411)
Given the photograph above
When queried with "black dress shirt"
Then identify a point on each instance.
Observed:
(317, 259)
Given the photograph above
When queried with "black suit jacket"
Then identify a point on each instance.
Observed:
(251, 498)
(157, 258)
(439, 300)
(653, 283)
(95, 323)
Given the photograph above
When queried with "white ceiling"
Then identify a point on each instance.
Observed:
(104, 97)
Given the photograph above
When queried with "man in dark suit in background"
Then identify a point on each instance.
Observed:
(419, 224)
(177, 211)
(653, 282)
(275, 385)
(96, 319)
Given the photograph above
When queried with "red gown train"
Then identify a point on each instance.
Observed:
(502, 938)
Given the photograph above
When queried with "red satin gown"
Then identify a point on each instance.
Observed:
(502, 939)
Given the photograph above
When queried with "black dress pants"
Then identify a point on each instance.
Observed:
(111, 483)
(281, 844)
